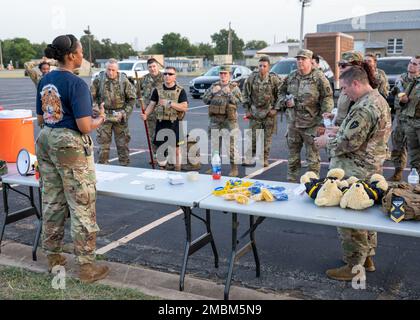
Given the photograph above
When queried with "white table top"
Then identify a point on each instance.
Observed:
(302, 208)
(129, 183)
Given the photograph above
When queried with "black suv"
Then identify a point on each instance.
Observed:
(200, 84)
(393, 68)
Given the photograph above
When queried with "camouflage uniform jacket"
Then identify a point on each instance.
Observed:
(223, 96)
(33, 71)
(259, 96)
(114, 99)
(412, 87)
(312, 96)
(147, 84)
(360, 147)
(383, 85)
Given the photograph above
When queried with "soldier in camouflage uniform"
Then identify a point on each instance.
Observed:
(381, 78)
(148, 83)
(409, 103)
(260, 93)
(37, 69)
(65, 157)
(223, 98)
(360, 149)
(119, 95)
(311, 97)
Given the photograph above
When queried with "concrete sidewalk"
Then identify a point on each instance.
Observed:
(147, 281)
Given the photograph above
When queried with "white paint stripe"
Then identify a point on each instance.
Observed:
(138, 232)
(131, 154)
(264, 169)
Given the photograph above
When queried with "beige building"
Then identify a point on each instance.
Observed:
(391, 33)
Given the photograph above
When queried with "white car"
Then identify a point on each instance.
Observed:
(129, 67)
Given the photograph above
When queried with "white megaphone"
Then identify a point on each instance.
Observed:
(25, 162)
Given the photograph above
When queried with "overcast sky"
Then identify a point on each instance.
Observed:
(143, 23)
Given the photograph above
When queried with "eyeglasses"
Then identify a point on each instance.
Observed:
(414, 63)
(168, 74)
(343, 64)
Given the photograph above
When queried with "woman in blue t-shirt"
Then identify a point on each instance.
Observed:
(65, 157)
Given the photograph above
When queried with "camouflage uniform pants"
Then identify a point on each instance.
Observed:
(296, 137)
(151, 126)
(122, 139)
(67, 184)
(399, 143)
(412, 132)
(231, 130)
(357, 245)
(267, 124)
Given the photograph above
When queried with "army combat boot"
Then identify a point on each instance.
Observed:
(91, 272)
(233, 170)
(397, 175)
(369, 265)
(55, 259)
(343, 274)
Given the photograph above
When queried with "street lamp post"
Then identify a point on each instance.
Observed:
(89, 35)
(305, 3)
(1, 57)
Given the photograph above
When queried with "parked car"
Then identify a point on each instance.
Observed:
(129, 67)
(200, 84)
(287, 65)
(393, 68)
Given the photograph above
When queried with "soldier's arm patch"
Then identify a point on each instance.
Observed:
(354, 124)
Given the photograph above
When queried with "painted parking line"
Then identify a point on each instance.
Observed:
(131, 154)
(138, 232)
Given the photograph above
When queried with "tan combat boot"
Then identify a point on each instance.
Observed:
(234, 172)
(55, 259)
(369, 265)
(397, 175)
(343, 274)
(91, 272)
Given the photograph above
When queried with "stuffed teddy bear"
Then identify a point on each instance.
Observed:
(362, 195)
(329, 195)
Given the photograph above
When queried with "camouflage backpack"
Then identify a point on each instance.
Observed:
(193, 159)
(408, 198)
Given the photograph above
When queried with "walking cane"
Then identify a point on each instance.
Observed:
(145, 121)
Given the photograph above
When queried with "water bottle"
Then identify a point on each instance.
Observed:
(216, 165)
(413, 177)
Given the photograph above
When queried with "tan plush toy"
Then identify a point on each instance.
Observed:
(330, 194)
(356, 198)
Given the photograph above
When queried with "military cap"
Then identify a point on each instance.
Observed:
(225, 68)
(351, 56)
(305, 53)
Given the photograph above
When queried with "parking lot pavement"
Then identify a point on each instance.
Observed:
(294, 256)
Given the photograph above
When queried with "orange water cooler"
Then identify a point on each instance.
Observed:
(16, 132)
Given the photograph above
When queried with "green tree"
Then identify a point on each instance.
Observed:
(220, 39)
(205, 50)
(256, 45)
(39, 49)
(174, 45)
(18, 50)
(154, 49)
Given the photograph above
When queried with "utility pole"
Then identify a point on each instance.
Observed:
(1, 57)
(89, 34)
(230, 41)
(305, 3)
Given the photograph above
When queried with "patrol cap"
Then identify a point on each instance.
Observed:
(225, 68)
(351, 56)
(305, 53)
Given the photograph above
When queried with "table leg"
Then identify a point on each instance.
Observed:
(213, 244)
(187, 219)
(6, 212)
(39, 228)
(254, 246)
(235, 225)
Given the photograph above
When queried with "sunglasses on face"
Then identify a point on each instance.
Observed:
(168, 74)
(414, 63)
(343, 65)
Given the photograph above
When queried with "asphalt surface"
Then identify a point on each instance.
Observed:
(293, 256)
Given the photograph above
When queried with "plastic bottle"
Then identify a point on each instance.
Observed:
(413, 177)
(216, 165)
